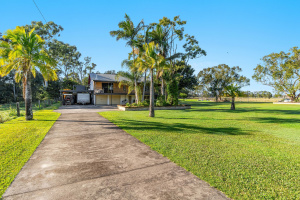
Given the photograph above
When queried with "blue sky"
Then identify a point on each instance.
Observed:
(237, 33)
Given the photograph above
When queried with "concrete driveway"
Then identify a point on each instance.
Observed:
(84, 156)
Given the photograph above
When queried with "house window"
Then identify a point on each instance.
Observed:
(124, 88)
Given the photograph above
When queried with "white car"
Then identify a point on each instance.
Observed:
(286, 100)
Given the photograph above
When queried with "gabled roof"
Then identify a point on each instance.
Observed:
(105, 77)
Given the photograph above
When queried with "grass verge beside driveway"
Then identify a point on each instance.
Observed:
(19, 139)
(250, 153)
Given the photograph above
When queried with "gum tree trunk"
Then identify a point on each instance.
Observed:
(28, 97)
(232, 104)
(151, 108)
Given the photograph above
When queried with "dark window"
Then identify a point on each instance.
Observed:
(106, 87)
(124, 88)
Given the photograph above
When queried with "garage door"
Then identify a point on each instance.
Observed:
(101, 99)
(116, 99)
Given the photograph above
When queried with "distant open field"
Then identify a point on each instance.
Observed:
(250, 153)
(243, 99)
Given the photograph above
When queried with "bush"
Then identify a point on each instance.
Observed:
(145, 103)
(4, 117)
(159, 102)
(183, 95)
(12, 111)
(165, 103)
(128, 105)
(134, 104)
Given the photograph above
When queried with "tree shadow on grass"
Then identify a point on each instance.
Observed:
(275, 120)
(180, 127)
(200, 107)
(247, 110)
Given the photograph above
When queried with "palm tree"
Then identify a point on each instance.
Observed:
(23, 52)
(130, 33)
(233, 91)
(153, 61)
(129, 81)
(160, 37)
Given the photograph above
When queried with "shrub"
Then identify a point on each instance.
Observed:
(145, 103)
(183, 95)
(128, 105)
(12, 111)
(165, 103)
(159, 103)
(134, 104)
(4, 117)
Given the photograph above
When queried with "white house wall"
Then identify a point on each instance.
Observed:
(92, 85)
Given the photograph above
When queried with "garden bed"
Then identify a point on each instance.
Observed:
(141, 108)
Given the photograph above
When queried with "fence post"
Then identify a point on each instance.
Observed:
(18, 109)
(39, 104)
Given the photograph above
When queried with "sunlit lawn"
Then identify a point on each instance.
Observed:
(19, 139)
(250, 153)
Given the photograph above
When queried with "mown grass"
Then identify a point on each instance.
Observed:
(19, 139)
(250, 153)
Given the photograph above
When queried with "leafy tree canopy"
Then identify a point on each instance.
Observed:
(188, 79)
(217, 78)
(281, 71)
(46, 31)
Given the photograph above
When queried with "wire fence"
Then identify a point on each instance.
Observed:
(10, 111)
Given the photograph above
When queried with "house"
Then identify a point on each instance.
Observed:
(106, 90)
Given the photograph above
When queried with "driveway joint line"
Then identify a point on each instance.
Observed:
(99, 177)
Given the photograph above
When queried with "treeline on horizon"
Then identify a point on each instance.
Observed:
(172, 73)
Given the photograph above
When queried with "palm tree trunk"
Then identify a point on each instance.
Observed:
(136, 91)
(162, 87)
(232, 104)
(144, 88)
(135, 81)
(151, 108)
(28, 97)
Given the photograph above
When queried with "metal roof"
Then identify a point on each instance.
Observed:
(107, 78)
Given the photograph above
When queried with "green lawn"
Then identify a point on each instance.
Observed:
(19, 139)
(250, 153)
